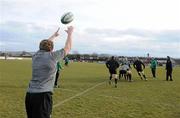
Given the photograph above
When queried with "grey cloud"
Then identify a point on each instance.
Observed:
(164, 35)
(157, 43)
(169, 36)
(26, 36)
(117, 33)
(20, 36)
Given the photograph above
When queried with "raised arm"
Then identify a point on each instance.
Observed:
(68, 43)
(56, 34)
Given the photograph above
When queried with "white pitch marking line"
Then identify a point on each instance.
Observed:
(79, 94)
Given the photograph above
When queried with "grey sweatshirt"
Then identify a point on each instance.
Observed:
(43, 70)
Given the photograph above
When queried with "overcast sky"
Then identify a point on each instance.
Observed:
(118, 27)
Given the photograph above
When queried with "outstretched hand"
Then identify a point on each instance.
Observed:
(56, 34)
(69, 30)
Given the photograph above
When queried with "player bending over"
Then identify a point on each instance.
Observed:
(126, 72)
(123, 71)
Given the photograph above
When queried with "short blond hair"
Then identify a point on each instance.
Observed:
(46, 45)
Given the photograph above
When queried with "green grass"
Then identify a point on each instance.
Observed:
(138, 99)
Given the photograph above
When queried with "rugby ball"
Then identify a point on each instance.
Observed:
(67, 18)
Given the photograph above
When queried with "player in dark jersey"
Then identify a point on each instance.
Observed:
(169, 69)
(112, 65)
(139, 66)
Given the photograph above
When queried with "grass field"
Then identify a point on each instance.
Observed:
(85, 93)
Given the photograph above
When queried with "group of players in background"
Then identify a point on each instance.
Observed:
(125, 69)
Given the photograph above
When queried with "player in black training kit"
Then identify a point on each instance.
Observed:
(169, 69)
(112, 65)
(138, 66)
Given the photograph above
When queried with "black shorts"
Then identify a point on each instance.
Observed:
(112, 71)
(38, 105)
(122, 72)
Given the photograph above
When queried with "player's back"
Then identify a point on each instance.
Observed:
(112, 64)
